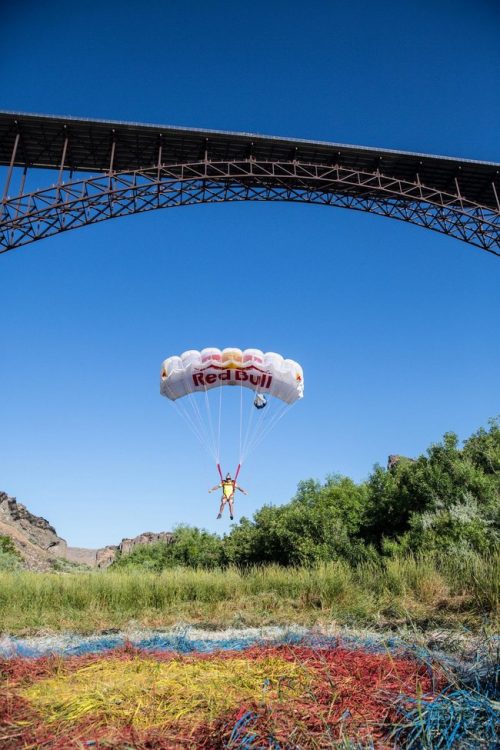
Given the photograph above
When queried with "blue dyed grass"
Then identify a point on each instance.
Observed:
(455, 719)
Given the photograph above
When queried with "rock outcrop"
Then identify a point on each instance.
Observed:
(33, 536)
(393, 460)
(39, 545)
(103, 557)
(148, 537)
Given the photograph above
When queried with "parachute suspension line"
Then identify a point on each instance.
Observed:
(260, 434)
(277, 417)
(185, 417)
(254, 437)
(260, 428)
(253, 427)
(211, 426)
(193, 405)
(241, 423)
(192, 420)
(202, 425)
(248, 430)
(189, 421)
(218, 428)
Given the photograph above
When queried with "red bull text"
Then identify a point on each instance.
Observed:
(262, 380)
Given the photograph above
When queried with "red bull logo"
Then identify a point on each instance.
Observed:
(262, 380)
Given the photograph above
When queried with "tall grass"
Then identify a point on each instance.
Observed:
(421, 589)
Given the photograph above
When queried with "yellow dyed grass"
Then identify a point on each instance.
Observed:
(145, 694)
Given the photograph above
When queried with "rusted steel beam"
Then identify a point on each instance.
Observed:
(34, 216)
(11, 167)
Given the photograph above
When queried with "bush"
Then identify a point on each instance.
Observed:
(7, 546)
(191, 547)
(448, 499)
(10, 559)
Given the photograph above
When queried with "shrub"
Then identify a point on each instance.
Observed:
(10, 559)
(191, 547)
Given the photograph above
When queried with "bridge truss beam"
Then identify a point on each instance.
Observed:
(34, 216)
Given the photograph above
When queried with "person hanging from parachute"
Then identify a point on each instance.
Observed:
(228, 487)
(273, 382)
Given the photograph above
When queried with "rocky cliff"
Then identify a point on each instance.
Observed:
(34, 537)
(40, 546)
(102, 558)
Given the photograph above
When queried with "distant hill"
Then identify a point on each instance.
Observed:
(40, 546)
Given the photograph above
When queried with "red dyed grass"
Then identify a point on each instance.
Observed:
(353, 695)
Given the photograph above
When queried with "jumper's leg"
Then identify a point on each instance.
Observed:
(222, 503)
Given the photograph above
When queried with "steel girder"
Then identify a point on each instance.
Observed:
(68, 205)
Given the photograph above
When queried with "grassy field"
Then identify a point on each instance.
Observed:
(423, 591)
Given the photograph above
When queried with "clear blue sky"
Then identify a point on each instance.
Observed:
(397, 328)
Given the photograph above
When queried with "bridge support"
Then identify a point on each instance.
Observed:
(34, 216)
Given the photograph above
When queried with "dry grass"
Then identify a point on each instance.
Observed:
(422, 590)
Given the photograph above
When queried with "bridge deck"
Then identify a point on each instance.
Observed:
(90, 147)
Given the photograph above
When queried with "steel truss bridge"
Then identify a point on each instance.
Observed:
(102, 170)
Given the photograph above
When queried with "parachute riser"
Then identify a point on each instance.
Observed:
(235, 476)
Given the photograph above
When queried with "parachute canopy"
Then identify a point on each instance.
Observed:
(196, 371)
(193, 382)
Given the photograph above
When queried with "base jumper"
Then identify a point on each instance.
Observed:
(228, 487)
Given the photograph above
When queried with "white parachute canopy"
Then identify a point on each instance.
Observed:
(275, 383)
(196, 371)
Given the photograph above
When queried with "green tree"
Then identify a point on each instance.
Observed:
(447, 498)
(321, 523)
(191, 547)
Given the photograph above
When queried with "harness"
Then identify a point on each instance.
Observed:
(228, 488)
